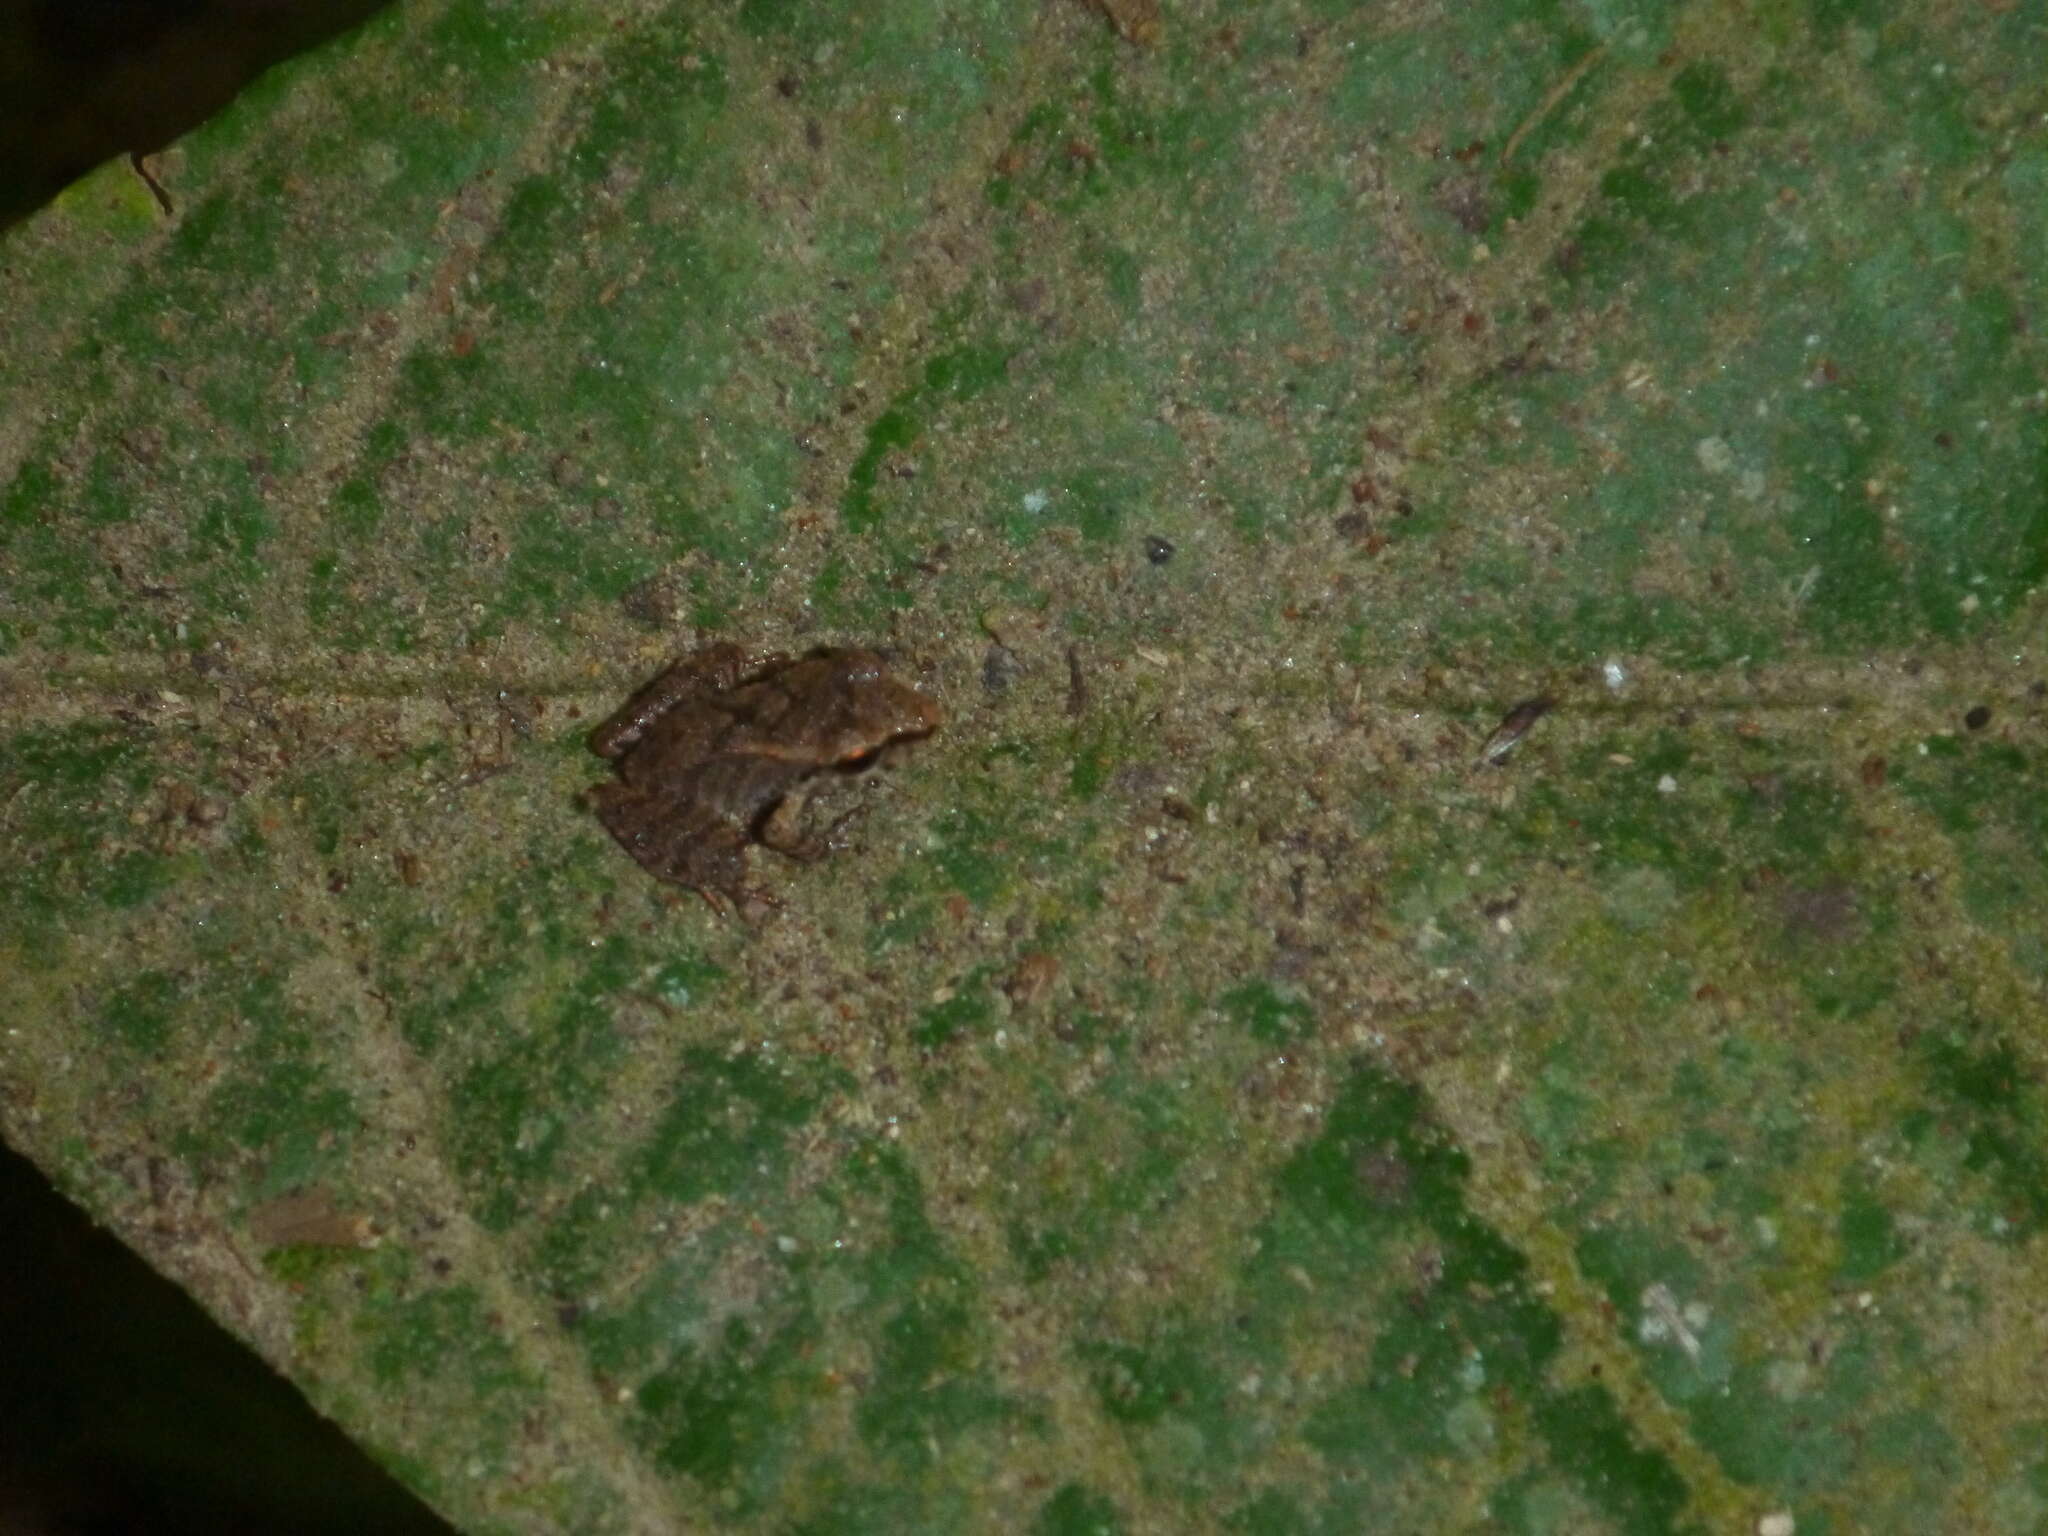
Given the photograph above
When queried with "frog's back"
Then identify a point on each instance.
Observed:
(740, 788)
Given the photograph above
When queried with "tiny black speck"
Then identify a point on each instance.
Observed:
(1158, 550)
(1978, 718)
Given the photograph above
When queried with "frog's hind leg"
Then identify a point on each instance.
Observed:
(784, 830)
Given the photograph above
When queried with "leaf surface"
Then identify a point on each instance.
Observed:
(1217, 1090)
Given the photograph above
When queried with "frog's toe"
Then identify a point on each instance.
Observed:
(756, 905)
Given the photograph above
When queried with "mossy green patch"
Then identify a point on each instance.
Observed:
(142, 1015)
(728, 1412)
(1098, 1169)
(967, 1010)
(80, 791)
(1168, 1378)
(1993, 1101)
(1981, 794)
(1869, 1237)
(728, 1116)
(956, 374)
(282, 1107)
(1268, 1014)
(731, 1407)
(32, 490)
(974, 853)
(1076, 1511)
(443, 1333)
(1593, 1445)
(1272, 1513)
(1475, 1344)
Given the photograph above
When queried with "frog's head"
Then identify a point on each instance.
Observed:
(873, 710)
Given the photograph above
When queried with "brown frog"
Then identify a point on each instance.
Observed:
(722, 748)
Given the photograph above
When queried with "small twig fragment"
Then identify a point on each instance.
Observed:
(1077, 684)
(309, 1216)
(1557, 93)
(1514, 725)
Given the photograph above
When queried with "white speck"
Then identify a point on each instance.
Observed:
(786, 1244)
(1502, 924)
(1778, 1522)
(1806, 584)
(1969, 603)
(1615, 674)
(1714, 454)
(1788, 1379)
(1036, 502)
(1667, 785)
(1662, 1320)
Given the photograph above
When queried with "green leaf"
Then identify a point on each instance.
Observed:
(1215, 1086)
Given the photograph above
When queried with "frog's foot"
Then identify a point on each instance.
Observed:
(720, 903)
(834, 837)
(755, 905)
(741, 903)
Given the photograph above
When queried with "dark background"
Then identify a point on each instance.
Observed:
(123, 1407)
(82, 81)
